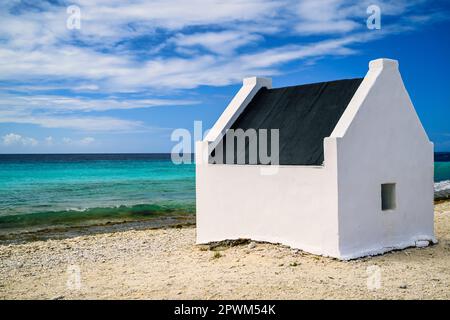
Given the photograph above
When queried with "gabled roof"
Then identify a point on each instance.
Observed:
(304, 115)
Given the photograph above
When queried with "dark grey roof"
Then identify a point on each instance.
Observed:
(304, 115)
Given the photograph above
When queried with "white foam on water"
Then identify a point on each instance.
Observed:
(77, 209)
(442, 189)
(442, 185)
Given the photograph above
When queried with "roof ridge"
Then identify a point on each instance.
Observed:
(315, 83)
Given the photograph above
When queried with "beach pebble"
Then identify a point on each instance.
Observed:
(403, 286)
(422, 243)
(251, 245)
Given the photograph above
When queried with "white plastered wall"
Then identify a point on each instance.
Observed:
(380, 140)
(297, 206)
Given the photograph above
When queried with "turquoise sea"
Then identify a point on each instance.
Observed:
(39, 191)
(42, 191)
(442, 175)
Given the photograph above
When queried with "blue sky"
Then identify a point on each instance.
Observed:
(136, 70)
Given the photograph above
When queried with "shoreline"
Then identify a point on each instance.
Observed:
(61, 232)
(165, 263)
(92, 216)
(156, 222)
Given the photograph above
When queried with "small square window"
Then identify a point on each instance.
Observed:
(388, 201)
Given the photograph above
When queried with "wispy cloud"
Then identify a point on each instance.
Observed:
(91, 123)
(79, 142)
(102, 54)
(61, 104)
(72, 112)
(50, 74)
(221, 42)
(18, 140)
(49, 141)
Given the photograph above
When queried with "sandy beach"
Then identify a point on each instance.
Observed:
(166, 264)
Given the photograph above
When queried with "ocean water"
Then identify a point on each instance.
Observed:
(42, 191)
(39, 191)
(442, 175)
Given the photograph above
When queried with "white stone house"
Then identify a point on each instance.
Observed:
(355, 170)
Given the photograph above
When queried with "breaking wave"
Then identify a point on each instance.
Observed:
(94, 216)
(442, 190)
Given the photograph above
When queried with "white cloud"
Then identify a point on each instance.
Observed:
(78, 142)
(87, 140)
(58, 103)
(172, 14)
(66, 140)
(95, 124)
(37, 45)
(324, 17)
(223, 43)
(12, 139)
(52, 111)
(144, 46)
(49, 140)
